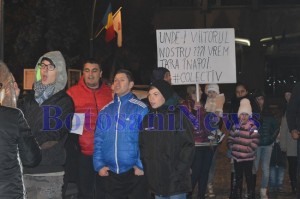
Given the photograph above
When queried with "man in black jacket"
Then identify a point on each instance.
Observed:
(48, 111)
(17, 145)
(293, 120)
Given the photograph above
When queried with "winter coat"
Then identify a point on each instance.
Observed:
(167, 152)
(287, 143)
(50, 122)
(268, 130)
(197, 117)
(243, 141)
(90, 102)
(17, 147)
(116, 135)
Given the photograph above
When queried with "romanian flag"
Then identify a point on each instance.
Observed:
(108, 23)
(118, 27)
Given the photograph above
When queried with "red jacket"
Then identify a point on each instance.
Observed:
(90, 102)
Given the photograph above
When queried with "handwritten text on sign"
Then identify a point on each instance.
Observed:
(197, 55)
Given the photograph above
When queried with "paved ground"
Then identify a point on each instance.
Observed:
(221, 181)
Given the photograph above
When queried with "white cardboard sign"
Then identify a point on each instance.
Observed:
(197, 56)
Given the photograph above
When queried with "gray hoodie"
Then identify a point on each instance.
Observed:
(60, 64)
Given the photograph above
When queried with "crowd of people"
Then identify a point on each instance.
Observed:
(114, 145)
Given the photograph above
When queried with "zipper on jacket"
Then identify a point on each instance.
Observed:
(116, 140)
(94, 93)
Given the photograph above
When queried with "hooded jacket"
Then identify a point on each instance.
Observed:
(51, 121)
(167, 151)
(117, 133)
(90, 102)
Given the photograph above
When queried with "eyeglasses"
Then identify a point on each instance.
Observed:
(49, 67)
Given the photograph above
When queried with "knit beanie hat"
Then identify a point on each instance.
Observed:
(213, 87)
(164, 88)
(245, 107)
(159, 73)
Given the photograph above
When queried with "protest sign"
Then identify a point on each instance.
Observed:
(197, 56)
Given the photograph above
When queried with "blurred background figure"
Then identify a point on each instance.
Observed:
(18, 147)
(289, 145)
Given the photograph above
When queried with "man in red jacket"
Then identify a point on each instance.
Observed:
(90, 95)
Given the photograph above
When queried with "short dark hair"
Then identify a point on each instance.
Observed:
(91, 61)
(127, 73)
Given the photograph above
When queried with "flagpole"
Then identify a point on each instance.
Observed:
(114, 15)
(92, 30)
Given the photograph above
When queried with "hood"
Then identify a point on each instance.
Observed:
(60, 64)
(7, 91)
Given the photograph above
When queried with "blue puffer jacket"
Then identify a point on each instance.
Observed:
(117, 133)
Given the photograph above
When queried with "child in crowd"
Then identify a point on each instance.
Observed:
(166, 145)
(214, 104)
(277, 168)
(242, 142)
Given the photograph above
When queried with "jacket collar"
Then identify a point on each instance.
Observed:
(82, 83)
(123, 98)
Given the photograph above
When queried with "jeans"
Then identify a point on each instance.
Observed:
(178, 196)
(276, 176)
(44, 187)
(212, 168)
(263, 155)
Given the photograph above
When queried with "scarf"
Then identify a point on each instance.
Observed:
(43, 92)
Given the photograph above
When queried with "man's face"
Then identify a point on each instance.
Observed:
(122, 85)
(91, 75)
(155, 97)
(48, 76)
(167, 77)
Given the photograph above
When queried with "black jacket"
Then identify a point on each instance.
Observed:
(167, 153)
(50, 124)
(17, 147)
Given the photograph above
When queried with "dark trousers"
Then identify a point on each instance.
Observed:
(242, 168)
(125, 185)
(292, 161)
(90, 184)
(200, 168)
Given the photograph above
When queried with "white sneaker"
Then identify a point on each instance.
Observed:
(263, 193)
(210, 193)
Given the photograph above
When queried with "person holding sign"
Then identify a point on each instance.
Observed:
(204, 147)
(90, 95)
